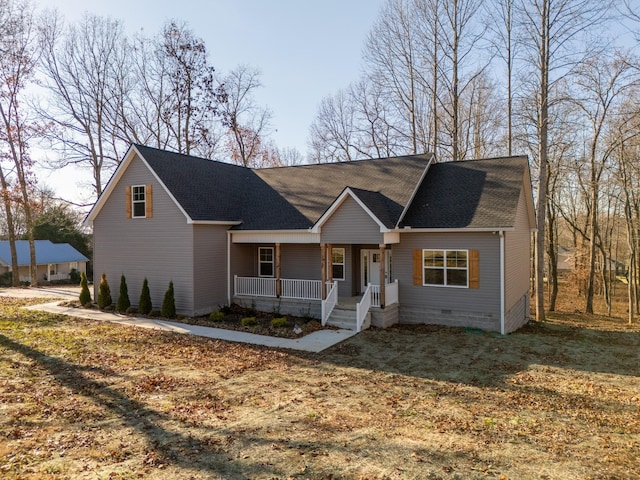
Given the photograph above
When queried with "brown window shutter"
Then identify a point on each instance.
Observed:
(148, 197)
(417, 267)
(128, 201)
(474, 269)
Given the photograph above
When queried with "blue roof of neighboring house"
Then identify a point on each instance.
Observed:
(46, 252)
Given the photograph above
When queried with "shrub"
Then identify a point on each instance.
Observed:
(104, 292)
(169, 303)
(74, 276)
(249, 321)
(155, 313)
(226, 309)
(6, 279)
(216, 316)
(131, 310)
(144, 305)
(279, 322)
(123, 297)
(85, 296)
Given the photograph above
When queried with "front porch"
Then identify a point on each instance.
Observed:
(378, 305)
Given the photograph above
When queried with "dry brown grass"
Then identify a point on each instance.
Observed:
(80, 399)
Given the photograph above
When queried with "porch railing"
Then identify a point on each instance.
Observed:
(391, 294)
(362, 307)
(330, 302)
(302, 289)
(254, 286)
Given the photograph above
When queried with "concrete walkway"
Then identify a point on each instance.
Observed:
(314, 342)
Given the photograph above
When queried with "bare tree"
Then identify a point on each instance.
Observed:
(248, 123)
(80, 67)
(18, 58)
(549, 29)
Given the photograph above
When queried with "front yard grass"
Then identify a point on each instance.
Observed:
(83, 399)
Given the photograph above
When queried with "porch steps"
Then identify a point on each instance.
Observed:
(343, 316)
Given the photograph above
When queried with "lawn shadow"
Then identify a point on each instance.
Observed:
(475, 357)
(165, 446)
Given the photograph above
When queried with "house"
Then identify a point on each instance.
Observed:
(400, 239)
(55, 261)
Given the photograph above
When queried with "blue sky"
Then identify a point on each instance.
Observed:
(305, 50)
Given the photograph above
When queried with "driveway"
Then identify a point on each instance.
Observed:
(51, 291)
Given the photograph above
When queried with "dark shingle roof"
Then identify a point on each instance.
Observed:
(46, 252)
(385, 185)
(469, 194)
(283, 197)
(206, 189)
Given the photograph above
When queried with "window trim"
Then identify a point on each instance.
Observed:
(272, 262)
(52, 267)
(444, 267)
(343, 264)
(134, 201)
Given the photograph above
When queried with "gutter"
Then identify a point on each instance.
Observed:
(502, 284)
(228, 267)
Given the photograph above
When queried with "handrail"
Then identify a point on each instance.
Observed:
(362, 307)
(330, 302)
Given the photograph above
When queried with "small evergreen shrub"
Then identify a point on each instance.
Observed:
(85, 296)
(74, 276)
(169, 303)
(216, 316)
(144, 305)
(155, 313)
(104, 292)
(249, 321)
(131, 311)
(123, 297)
(279, 322)
(6, 279)
(226, 309)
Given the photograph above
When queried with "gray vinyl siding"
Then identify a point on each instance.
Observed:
(471, 307)
(300, 261)
(209, 267)
(158, 248)
(350, 224)
(517, 264)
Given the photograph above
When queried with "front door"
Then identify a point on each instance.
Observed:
(370, 266)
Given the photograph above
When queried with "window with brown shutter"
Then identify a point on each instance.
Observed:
(417, 267)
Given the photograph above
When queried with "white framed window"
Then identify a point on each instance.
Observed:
(265, 261)
(337, 263)
(53, 269)
(448, 268)
(138, 201)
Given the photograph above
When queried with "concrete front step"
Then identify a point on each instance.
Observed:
(345, 318)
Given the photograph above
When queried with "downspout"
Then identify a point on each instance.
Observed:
(502, 283)
(228, 267)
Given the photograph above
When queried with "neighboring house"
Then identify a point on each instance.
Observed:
(54, 260)
(406, 239)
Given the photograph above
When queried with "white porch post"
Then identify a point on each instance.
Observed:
(278, 272)
(383, 269)
(323, 270)
(329, 263)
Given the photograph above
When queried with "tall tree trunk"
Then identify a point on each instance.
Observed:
(11, 230)
(543, 129)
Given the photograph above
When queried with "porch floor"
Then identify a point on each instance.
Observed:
(349, 303)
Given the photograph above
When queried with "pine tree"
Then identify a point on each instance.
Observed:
(85, 296)
(144, 305)
(169, 303)
(104, 293)
(123, 298)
